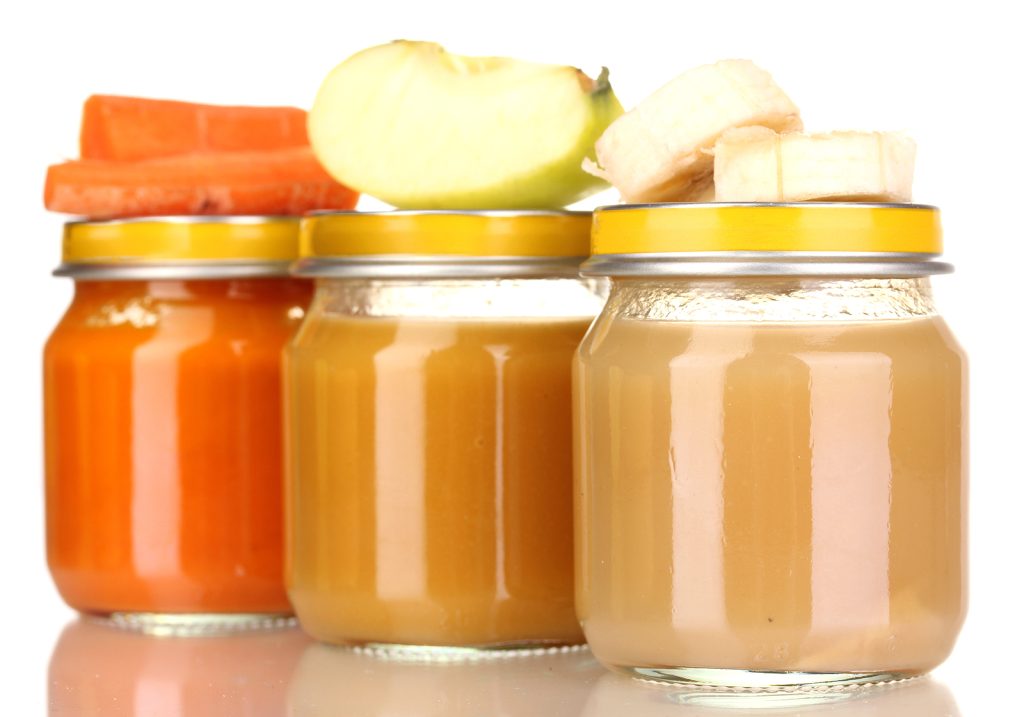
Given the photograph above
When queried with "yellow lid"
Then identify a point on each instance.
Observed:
(542, 234)
(182, 239)
(806, 227)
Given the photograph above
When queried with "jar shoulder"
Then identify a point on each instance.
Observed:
(404, 338)
(620, 342)
(129, 322)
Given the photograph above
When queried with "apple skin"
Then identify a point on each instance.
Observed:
(420, 128)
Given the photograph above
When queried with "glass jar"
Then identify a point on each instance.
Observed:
(771, 436)
(429, 430)
(163, 421)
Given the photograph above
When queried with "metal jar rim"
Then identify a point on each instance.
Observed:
(424, 266)
(765, 263)
(172, 270)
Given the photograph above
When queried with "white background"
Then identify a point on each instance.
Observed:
(950, 77)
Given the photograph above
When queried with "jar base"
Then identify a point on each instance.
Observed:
(193, 624)
(728, 680)
(444, 653)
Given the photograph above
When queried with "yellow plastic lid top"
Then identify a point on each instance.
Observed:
(443, 233)
(824, 227)
(177, 240)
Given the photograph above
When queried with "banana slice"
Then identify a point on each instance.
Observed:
(659, 151)
(755, 164)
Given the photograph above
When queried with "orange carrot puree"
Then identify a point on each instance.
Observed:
(163, 445)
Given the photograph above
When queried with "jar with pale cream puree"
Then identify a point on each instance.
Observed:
(771, 446)
(429, 430)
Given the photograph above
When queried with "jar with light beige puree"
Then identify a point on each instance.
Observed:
(429, 430)
(771, 446)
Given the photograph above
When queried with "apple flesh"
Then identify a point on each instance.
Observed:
(420, 128)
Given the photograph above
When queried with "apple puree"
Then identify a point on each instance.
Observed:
(430, 489)
(771, 496)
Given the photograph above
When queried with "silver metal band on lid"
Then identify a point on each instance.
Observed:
(765, 263)
(173, 270)
(438, 266)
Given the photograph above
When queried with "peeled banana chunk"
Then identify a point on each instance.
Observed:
(757, 164)
(659, 151)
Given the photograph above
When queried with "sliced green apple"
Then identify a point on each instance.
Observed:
(420, 128)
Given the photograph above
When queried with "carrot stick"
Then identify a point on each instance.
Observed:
(287, 181)
(133, 128)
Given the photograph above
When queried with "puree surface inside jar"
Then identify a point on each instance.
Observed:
(431, 481)
(777, 496)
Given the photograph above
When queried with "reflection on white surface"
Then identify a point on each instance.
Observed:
(337, 681)
(101, 671)
(617, 696)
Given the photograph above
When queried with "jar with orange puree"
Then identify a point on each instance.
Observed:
(163, 421)
(771, 446)
(429, 446)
